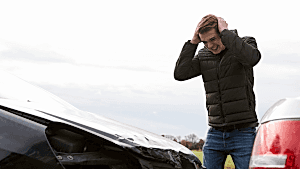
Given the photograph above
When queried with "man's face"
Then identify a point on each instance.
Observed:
(212, 41)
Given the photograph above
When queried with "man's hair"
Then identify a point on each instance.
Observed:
(209, 22)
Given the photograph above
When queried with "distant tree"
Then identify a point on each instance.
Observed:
(187, 144)
(193, 139)
(183, 142)
(201, 143)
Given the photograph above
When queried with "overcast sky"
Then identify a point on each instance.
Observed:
(116, 58)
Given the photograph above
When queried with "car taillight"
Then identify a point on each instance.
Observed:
(269, 161)
(276, 145)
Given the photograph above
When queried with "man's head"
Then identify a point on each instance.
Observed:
(209, 34)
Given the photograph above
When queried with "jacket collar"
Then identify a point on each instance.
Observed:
(234, 31)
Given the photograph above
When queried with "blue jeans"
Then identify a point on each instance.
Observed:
(238, 143)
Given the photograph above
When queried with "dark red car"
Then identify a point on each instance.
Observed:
(277, 143)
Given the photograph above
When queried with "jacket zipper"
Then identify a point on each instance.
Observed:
(219, 90)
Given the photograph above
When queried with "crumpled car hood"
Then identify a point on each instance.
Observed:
(22, 96)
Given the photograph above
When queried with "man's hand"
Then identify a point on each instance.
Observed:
(196, 39)
(222, 24)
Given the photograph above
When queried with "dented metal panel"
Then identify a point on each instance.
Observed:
(19, 95)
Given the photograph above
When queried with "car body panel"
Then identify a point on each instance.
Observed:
(277, 141)
(43, 103)
(33, 101)
(24, 143)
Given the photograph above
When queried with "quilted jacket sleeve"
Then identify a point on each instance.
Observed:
(245, 49)
(187, 66)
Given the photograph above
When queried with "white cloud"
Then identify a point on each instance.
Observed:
(277, 71)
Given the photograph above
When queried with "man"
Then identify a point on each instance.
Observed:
(226, 65)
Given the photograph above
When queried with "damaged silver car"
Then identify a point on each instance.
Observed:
(40, 130)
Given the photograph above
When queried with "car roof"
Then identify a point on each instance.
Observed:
(288, 108)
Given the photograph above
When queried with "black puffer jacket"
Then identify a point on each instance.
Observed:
(228, 79)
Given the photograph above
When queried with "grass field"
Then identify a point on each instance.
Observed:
(228, 164)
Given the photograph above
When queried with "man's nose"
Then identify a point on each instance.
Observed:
(209, 45)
